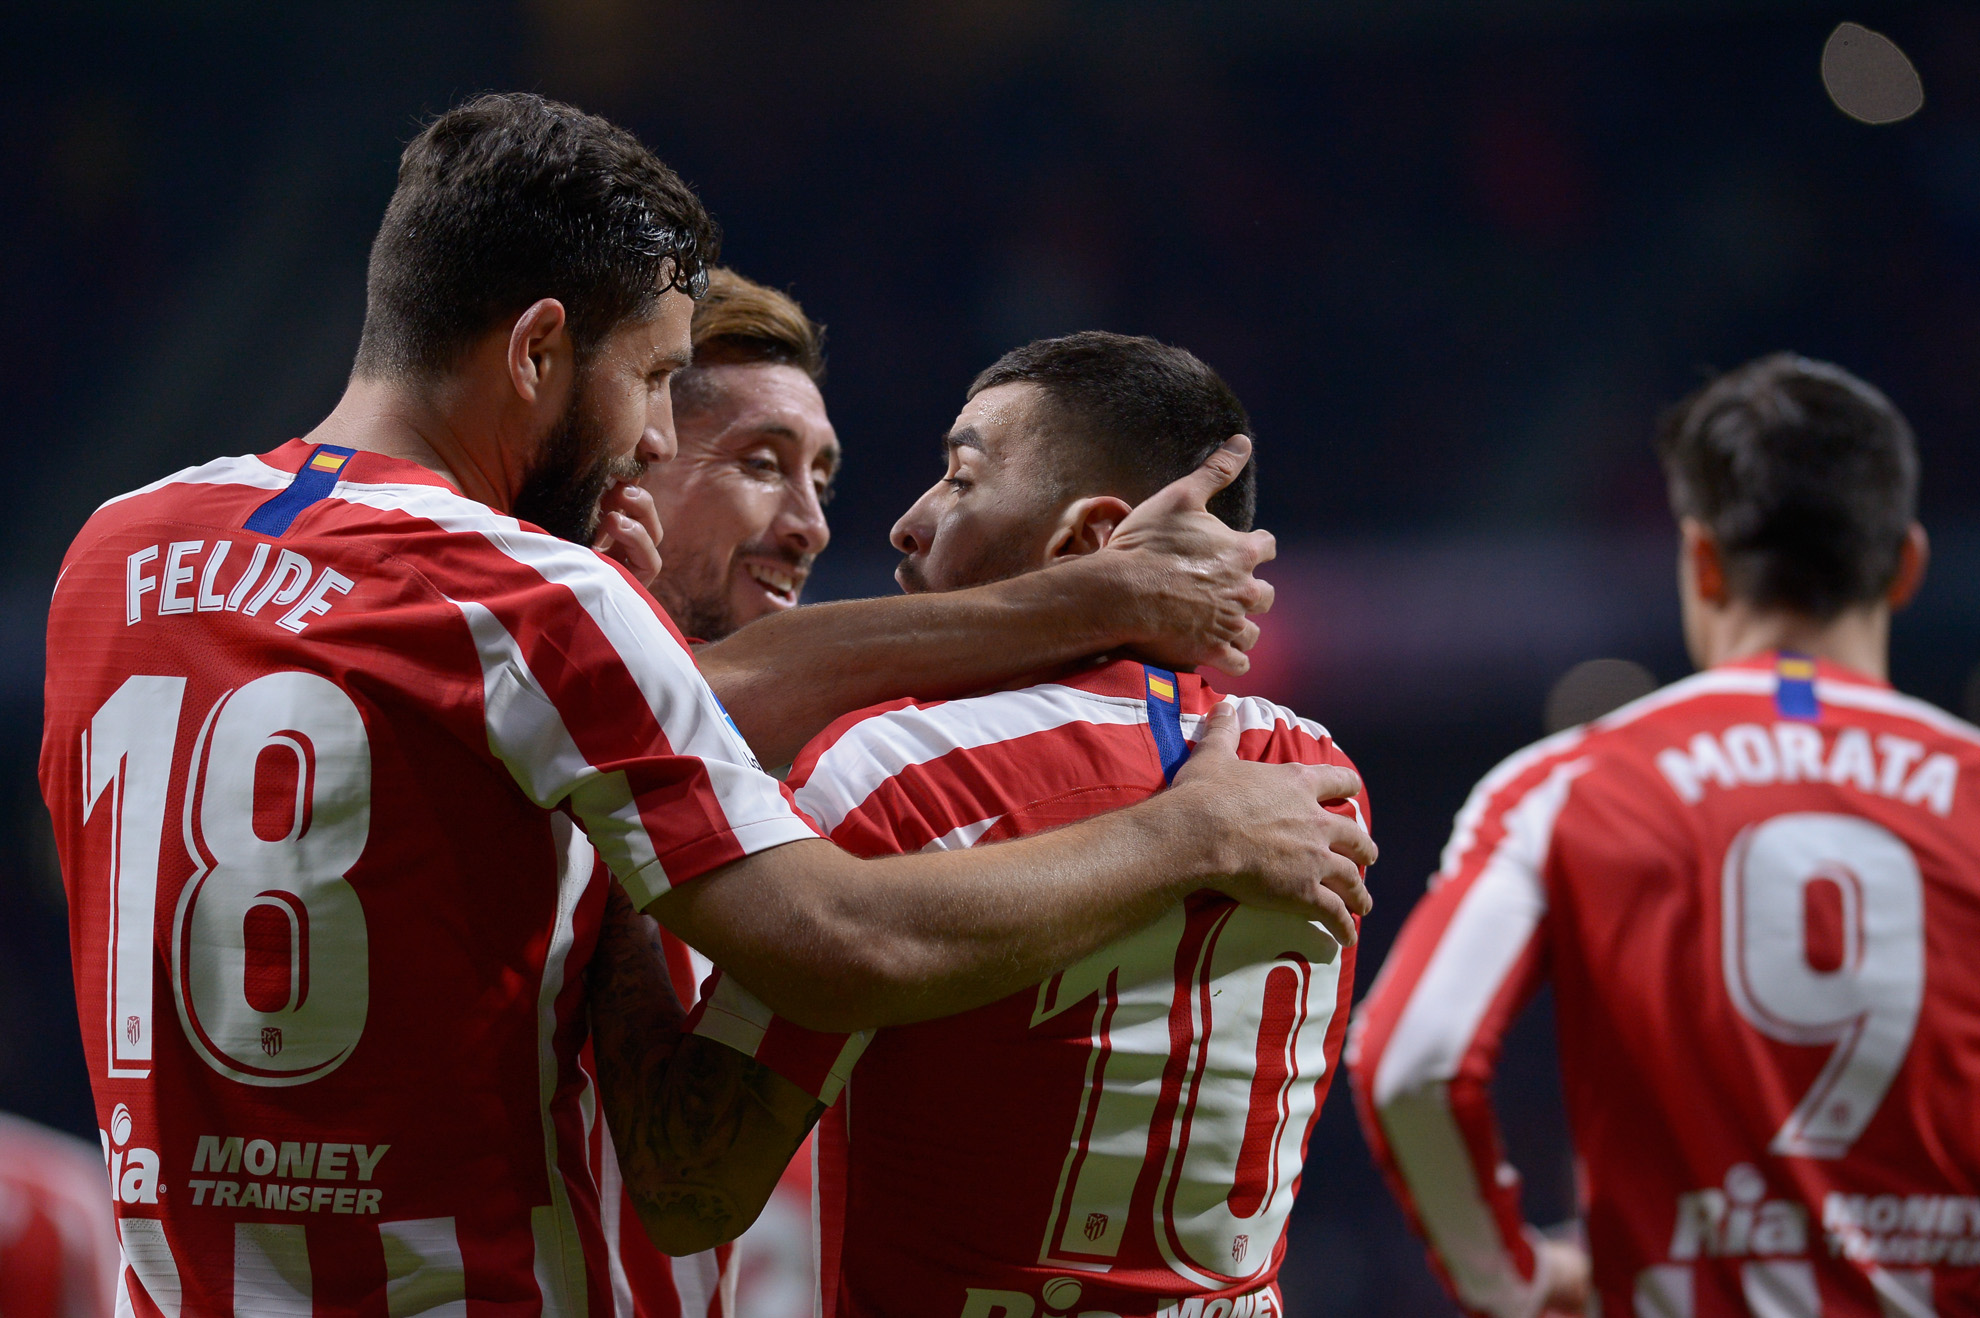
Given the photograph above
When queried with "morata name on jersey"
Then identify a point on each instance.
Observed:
(1748, 755)
(159, 582)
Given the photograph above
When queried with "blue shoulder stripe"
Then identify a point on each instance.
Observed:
(315, 480)
(1165, 718)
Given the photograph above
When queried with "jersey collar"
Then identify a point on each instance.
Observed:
(365, 468)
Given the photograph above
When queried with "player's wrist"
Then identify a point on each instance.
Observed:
(1194, 836)
(1099, 599)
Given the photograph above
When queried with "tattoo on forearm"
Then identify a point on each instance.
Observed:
(702, 1131)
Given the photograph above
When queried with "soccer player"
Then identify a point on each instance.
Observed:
(1124, 1137)
(1756, 893)
(742, 507)
(331, 1012)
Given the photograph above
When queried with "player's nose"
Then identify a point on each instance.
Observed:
(912, 534)
(802, 521)
(657, 442)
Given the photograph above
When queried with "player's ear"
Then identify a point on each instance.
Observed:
(541, 356)
(1086, 525)
(1702, 561)
(1913, 555)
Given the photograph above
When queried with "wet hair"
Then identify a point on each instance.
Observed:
(1806, 476)
(739, 321)
(1134, 413)
(511, 198)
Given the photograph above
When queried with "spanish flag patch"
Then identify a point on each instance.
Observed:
(1794, 689)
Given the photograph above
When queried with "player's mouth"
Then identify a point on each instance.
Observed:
(779, 581)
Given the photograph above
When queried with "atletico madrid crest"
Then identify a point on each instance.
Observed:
(271, 1040)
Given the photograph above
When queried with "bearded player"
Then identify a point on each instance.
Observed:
(742, 505)
(1756, 893)
(1125, 1137)
(321, 725)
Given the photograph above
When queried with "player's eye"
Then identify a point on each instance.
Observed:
(957, 483)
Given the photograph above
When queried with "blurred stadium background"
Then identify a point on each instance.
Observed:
(1454, 256)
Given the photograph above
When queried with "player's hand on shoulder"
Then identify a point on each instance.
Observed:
(1193, 577)
(629, 532)
(1281, 848)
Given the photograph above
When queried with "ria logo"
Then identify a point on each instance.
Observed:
(133, 1172)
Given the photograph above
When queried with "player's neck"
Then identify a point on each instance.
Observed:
(1858, 639)
(396, 421)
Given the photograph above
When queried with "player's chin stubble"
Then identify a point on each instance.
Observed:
(561, 495)
(702, 599)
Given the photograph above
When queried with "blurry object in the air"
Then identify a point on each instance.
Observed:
(1868, 77)
(58, 1242)
(1969, 704)
(775, 1268)
(1591, 689)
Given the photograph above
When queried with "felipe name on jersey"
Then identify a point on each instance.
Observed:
(294, 586)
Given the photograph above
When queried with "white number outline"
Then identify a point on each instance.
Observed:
(130, 749)
(1883, 965)
(121, 755)
(1118, 1106)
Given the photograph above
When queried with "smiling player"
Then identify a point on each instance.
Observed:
(1126, 1137)
(321, 724)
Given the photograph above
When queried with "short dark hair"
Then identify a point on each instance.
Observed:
(1138, 415)
(511, 198)
(1806, 476)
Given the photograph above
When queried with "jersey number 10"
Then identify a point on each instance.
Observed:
(1207, 1044)
(269, 955)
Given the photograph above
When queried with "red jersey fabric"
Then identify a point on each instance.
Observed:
(644, 1282)
(1757, 894)
(1126, 1138)
(317, 787)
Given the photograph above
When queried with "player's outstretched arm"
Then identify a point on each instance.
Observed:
(834, 943)
(702, 1131)
(1174, 585)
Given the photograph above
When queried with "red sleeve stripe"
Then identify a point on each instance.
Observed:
(816, 1062)
(584, 682)
(948, 757)
(1430, 1029)
(1877, 700)
(882, 747)
(249, 471)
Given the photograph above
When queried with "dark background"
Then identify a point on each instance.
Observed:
(1454, 256)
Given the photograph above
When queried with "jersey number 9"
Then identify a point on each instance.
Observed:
(1823, 941)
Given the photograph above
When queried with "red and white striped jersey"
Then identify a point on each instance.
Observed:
(1757, 894)
(321, 736)
(1125, 1138)
(644, 1282)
